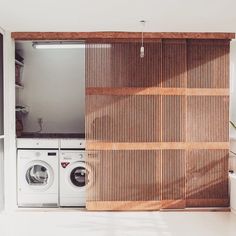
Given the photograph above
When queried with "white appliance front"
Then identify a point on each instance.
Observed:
(37, 178)
(73, 178)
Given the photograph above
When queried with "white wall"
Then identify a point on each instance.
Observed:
(1, 174)
(118, 15)
(54, 89)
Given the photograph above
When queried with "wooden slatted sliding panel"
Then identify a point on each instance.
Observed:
(123, 179)
(157, 127)
(207, 121)
(173, 123)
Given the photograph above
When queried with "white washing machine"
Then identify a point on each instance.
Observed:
(73, 173)
(37, 171)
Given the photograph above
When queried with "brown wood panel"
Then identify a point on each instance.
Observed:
(207, 178)
(135, 205)
(123, 205)
(120, 65)
(208, 64)
(95, 145)
(208, 119)
(173, 119)
(157, 127)
(156, 91)
(174, 71)
(173, 176)
(132, 175)
(118, 35)
(123, 118)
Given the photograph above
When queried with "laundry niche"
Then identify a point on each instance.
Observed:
(157, 127)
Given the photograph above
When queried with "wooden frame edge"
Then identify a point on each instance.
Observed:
(118, 35)
(94, 145)
(157, 91)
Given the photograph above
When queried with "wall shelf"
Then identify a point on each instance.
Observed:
(19, 86)
(19, 63)
(22, 109)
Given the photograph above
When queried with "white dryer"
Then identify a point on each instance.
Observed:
(37, 167)
(73, 173)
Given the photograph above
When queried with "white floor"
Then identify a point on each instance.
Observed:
(70, 223)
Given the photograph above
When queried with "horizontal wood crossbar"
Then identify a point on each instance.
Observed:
(157, 91)
(92, 145)
(122, 205)
(117, 35)
(154, 205)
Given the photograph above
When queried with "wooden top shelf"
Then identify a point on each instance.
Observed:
(118, 35)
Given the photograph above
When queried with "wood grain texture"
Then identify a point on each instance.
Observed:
(174, 56)
(123, 118)
(173, 175)
(95, 145)
(130, 175)
(207, 178)
(208, 64)
(117, 35)
(120, 65)
(173, 119)
(134, 205)
(156, 91)
(208, 119)
(123, 205)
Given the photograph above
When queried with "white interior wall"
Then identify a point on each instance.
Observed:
(122, 15)
(1, 132)
(1, 174)
(54, 89)
(9, 124)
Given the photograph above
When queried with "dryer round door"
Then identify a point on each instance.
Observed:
(77, 175)
(38, 175)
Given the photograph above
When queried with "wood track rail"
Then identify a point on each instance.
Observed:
(157, 91)
(90, 145)
(117, 35)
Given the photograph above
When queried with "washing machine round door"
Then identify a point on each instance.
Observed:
(38, 175)
(77, 175)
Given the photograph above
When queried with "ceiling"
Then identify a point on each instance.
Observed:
(118, 15)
